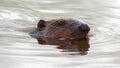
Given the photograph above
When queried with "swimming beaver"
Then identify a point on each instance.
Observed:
(68, 34)
(61, 29)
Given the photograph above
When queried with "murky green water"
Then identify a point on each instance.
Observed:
(19, 50)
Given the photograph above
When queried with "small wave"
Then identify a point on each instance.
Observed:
(6, 14)
(53, 11)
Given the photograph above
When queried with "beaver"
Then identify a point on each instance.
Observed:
(61, 29)
(68, 34)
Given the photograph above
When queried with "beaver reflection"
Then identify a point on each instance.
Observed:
(76, 45)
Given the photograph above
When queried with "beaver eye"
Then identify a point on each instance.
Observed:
(72, 33)
(60, 23)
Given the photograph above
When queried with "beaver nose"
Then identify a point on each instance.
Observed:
(84, 27)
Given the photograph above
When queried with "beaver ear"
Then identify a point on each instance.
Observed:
(41, 24)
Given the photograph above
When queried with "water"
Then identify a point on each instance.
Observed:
(19, 50)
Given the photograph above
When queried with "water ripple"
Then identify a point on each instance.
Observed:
(19, 50)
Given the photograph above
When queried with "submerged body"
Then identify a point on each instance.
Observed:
(75, 45)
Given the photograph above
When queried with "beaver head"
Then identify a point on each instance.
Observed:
(63, 28)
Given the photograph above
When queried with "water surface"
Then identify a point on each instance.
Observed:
(19, 50)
